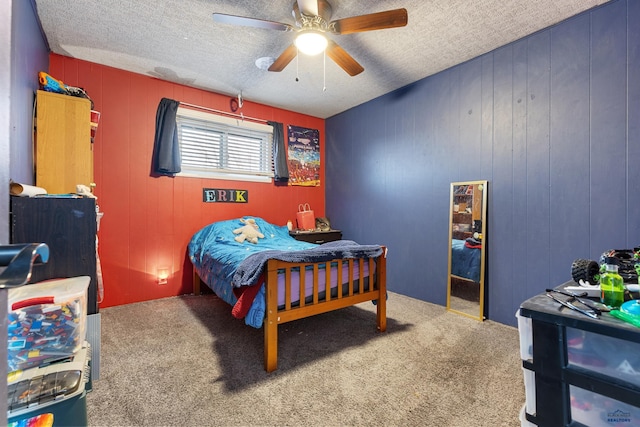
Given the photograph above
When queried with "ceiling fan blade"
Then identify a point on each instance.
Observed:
(343, 59)
(374, 21)
(297, 16)
(285, 57)
(250, 22)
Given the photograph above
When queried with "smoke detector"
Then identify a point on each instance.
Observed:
(265, 62)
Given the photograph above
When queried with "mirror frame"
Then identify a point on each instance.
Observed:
(483, 250)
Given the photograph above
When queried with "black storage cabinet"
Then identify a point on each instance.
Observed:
(68, 226)
(554, 374)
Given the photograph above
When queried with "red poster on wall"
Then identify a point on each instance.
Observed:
(303, 158)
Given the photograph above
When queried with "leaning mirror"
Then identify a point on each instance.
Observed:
(467, 248)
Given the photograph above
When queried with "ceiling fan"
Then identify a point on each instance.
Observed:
(312, 21)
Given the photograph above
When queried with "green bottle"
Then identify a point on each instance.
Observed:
(611, 284)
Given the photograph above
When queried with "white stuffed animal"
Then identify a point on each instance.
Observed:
(249, 231)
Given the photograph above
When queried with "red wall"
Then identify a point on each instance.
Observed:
(148, 221)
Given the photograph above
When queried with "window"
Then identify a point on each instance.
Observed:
(213, 146)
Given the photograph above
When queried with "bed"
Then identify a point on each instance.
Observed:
(264, 282)
(465, 259)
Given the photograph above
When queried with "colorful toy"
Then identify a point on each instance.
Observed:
(46, 322)
(49, 84)
(591, 271)
(43, 331)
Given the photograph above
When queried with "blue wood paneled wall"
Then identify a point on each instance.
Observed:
(552, 121)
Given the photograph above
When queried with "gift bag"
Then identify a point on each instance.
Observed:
(305, 217)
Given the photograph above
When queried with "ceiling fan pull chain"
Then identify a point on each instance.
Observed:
(297, 59)
(324, 71)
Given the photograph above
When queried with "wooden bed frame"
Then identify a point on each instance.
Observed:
(376, 290)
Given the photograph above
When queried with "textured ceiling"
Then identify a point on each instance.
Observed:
(177, 40)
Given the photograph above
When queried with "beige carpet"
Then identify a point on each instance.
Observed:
(186, 361)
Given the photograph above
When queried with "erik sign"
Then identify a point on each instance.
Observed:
(221, 195)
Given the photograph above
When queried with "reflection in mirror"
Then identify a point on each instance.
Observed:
(467, 248)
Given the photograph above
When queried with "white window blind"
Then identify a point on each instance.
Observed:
(220, 147)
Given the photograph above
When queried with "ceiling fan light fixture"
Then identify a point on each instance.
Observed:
(311, 42)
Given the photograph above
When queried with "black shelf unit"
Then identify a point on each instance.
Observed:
(552, 333)
(68, 226)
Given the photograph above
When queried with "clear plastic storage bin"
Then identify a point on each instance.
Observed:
(595, 410)
(54, 394)
(46, 321)
(605, 355)
(530, 391)
(526, 337)
(523, 418)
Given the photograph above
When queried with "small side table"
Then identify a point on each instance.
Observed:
(317, 237)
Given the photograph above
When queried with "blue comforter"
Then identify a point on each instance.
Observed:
(465, 261)
(215, 243)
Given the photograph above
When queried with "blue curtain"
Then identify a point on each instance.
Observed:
(280, 168)
(166, 150)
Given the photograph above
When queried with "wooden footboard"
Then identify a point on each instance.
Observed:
(376, 290)
(371, 288)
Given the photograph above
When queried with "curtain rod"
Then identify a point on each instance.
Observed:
(240, 116)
